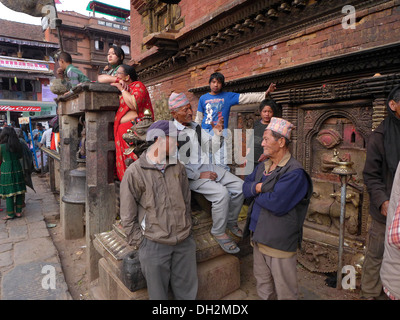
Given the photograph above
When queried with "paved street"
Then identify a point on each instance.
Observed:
(30, 267)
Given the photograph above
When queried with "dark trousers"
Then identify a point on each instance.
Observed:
(163, 265)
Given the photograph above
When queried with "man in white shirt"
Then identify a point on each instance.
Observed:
(46, 140)
(46, 137)
(222, 188)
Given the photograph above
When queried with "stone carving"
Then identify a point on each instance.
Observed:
(135, 137)
(81, 154)
(31, 7)
(58, 87)
(324, 208)
(329, 138)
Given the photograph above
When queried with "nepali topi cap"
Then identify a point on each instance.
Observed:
(177, 100)
(281, 126)
(161, 128)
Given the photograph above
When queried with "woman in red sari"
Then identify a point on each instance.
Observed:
(133, 102)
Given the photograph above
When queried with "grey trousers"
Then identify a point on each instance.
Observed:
(163, 265)
(226, 199)
(371, 285)
(276, 278)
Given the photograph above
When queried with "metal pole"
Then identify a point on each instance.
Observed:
(343, 180)
(345, 171)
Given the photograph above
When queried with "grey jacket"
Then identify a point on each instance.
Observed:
(155, 205)
(390, 269)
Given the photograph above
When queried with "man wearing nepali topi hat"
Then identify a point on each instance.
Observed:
(222, 188)
(280, 191)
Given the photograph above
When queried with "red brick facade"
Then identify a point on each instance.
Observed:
(376, 25)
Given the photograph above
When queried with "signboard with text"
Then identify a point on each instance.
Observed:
(25, 65)
(20, 108)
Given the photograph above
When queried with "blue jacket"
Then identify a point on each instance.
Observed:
(276, 215)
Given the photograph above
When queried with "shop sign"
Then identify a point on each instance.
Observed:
(20, 108)
(23, 65)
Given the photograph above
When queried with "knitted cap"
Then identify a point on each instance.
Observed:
(161, 128)
(177, 100)
(280, 126)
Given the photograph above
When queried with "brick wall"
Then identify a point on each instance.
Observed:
(375, 27)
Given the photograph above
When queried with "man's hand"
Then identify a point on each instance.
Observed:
(258, 187)
(209, 175)
(271, 88)
(219, 126)
(384, 208)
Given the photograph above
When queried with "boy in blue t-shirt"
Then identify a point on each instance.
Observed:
(217, 104)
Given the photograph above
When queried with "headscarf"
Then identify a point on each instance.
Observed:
(391, 134)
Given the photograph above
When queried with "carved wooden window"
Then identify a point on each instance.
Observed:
(70, 45)
(159, 16)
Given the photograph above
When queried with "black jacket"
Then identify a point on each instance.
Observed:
(377, 177)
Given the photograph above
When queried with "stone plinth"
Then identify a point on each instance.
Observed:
(218, 272)
(97, 103)
(218, 278)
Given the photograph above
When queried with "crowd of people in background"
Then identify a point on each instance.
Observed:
(18, 148)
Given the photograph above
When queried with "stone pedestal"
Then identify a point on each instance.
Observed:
(218, 278)
(97, 103)
(218, 272)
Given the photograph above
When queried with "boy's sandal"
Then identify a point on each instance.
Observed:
(236, 231)
(228, 245)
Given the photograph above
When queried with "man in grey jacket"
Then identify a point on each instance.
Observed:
(156, 216)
